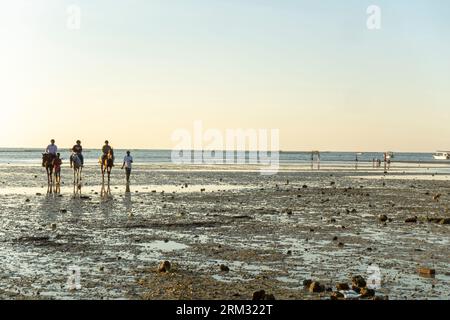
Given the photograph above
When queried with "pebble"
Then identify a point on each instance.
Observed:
(342, 286)
(411, 220)
(316, 287)
(427, 271)
(224, 268)
(358, 281)
(164, 266)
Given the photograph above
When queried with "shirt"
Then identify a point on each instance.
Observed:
(106, 149)
(57, 164)
(128, 160)
(52, 149)
(77, 149)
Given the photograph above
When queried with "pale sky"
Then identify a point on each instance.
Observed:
(138, 70)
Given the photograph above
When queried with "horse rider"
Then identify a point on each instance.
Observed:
(77, 149)
(106, 151)
(52, 149)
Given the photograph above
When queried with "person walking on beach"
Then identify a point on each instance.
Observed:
(127, 161)
(57, 162)
(77, 149)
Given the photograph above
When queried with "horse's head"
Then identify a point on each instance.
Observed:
(45, 159)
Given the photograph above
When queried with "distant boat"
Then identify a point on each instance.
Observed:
(442, 155)
(390, 155)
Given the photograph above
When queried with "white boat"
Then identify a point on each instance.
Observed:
(442, 155)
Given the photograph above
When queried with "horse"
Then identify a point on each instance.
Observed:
(107, 162)
(77, 168)
(47, 163)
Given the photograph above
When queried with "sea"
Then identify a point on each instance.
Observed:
(33, 156)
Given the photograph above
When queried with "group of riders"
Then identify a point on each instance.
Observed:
(52, 160)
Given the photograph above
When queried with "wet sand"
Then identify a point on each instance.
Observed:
(272, 232)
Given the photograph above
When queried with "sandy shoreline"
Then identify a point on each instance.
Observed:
(270, 233)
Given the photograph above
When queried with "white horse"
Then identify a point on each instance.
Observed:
(77, 168)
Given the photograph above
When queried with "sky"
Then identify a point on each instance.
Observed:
(135, 71)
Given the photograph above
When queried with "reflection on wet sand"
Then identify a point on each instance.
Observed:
(77, 190)
(54, 188)
(106, 190)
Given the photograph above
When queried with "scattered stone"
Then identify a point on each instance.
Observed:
(307, 283)
(316, 287)
(224, 268)
(340, 244)
(411, 220)
(367, 293)
(261, 295)
(437, 197)
(164, 266)
(39, 194)
(337, 295)
(383, 218)
(202, 190)
(342, 286)
(27, 200)
(304, 186)
(356, 289)
(445, 221)
(289, 252)
(358, 281)
(63, 210)
(53, 226)
(427, 271)
(335, 238)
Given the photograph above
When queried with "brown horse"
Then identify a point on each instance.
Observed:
(107, 162)
(47, 163)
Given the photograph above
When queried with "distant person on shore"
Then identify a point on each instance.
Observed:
(52, 149)
(57, 162)
(77, 149)
(127, 161)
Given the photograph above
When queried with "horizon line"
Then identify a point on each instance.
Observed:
(226, 150)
